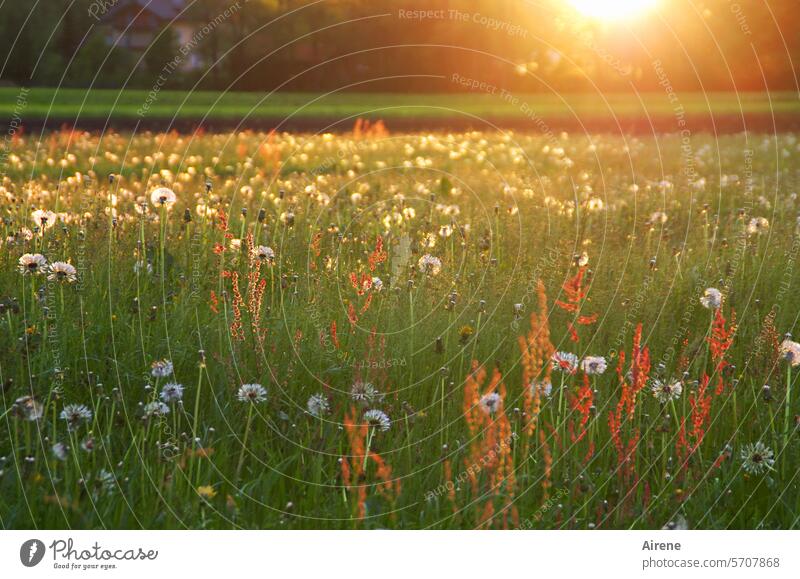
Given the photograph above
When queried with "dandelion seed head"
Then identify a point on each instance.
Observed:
(252, 393)
(378, 419)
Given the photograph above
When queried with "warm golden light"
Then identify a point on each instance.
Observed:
(612, 9)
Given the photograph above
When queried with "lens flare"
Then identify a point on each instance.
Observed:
(612, 9)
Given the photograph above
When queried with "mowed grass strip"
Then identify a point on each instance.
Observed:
(85, 104)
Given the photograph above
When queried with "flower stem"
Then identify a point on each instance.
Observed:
(244, 441)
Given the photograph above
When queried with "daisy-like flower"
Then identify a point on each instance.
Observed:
(62, 271)
(712, 298)
(161, 368)
(44, 218)
(155, 408)
(75, 414)
(756, 458)
(264, 253)
(365, 393)
(172, 392)
(565, 362)
(582, 260)
(253, 393)
(32, 263)
(757, 225)
(594, 365)
(377, 419)
(28, 408)
(666, 391)
(429, 264)
(317, 405)
(490, 403)
(163, 196)
(790, 351)
(545, 387)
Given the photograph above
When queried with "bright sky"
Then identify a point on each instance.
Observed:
(612, 9)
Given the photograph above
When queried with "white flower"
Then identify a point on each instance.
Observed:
(317, 405)
(658, 217)
(491, 402)
(155, 408)
(172, 392)
(565, 362)
(377, 284)
(429, 264)
(264, 253)
(666, 391)
(712, 298)
(365, 393)
(594, 365)
(254, 393)
(163, 196)
(757, 225)
(756, 458)
(583, 259)
(595, 204)
(62, 271)
(28, 408)
(74, 414)
(161, 368)
(545, 388)
(60, 451)
(790, 351)
(44, 219)
(32, 263)
(377, 419)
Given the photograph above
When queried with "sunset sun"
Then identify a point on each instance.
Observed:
(612, 9)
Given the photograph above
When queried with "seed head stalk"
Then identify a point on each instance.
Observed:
(787, 416)
(244, 439)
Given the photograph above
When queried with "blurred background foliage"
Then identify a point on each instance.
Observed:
(313, 45)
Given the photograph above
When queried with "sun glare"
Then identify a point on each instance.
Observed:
(612, 9)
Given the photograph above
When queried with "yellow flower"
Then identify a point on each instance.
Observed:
(206, 492)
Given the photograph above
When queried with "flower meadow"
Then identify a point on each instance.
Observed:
(409, 331)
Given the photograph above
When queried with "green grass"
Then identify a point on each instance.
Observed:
(103, 104)
(527, 205)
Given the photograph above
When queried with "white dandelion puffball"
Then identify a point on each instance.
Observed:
(666, 391)
(172, 392)
(75, 414)
(491, 402)
(790, 351)
(757, 225)
(378, 419)
(712, 298)
(44, 218)
(254, 393)
(161, 368)
(594, 365)
(317, 405)
(430, 265)
(62, 271)
(565, 362)
(264, 253)
(756, 458)
(32, 264)
(163, 196)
